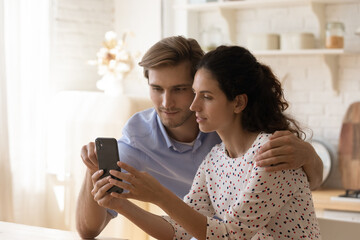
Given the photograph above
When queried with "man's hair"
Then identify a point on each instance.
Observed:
(172, 51)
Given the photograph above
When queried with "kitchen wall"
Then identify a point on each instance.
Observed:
(308, 86)
(78, 29)
(306, 80)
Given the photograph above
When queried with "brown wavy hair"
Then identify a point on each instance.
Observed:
(238, 72)
(172, 51)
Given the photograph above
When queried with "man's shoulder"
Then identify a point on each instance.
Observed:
(141, 124)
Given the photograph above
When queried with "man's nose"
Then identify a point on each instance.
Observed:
(168, 100)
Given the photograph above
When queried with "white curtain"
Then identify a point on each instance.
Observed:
(6, 209)
(26, 35)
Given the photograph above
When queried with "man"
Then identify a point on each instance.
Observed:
(165, 141)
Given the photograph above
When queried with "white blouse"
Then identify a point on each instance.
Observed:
(252, 203)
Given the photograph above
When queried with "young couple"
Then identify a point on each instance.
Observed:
(212, 137)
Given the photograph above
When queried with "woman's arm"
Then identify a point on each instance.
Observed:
(286, 151)
(152, 224)
(144, 187)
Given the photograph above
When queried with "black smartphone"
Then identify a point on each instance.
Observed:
(108, 155)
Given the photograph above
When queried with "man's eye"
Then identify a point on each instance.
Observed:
(156, 89)
(180, 89)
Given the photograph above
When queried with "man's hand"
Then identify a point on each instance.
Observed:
(286, 151)
(89, 157)
(102, 197)
(283, 151)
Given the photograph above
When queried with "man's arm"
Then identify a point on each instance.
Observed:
(286, 151)
(91, 218)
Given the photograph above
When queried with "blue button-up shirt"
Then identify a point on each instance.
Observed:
(146, 146)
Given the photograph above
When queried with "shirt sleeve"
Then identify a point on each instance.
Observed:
(198, 199)
(264, 195)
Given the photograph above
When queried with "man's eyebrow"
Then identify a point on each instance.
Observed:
(175, 86)
(183, 85)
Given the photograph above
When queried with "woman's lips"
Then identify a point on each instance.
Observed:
(199, 119)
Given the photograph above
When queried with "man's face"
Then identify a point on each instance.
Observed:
(171, 92)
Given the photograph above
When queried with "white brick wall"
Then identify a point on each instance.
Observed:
(307, 85)
(78, 30)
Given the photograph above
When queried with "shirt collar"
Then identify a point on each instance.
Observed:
(178, 146)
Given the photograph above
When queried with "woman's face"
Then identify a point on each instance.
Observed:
(214, 112)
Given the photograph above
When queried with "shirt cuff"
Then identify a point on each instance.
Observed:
(112, 213)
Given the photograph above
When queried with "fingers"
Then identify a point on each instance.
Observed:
(283, 140)
(272, 161)
(95, 177)
(282, 133)
(121, 195)
(274, 152)
(101, 192)
(88, 155)
(128, 168)
(278, 167)
(120, 184)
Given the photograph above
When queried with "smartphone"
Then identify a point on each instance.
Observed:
(108, 156)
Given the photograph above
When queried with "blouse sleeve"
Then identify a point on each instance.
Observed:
(264, 195)
(198, 199)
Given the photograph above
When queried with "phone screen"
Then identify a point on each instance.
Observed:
(108, 156)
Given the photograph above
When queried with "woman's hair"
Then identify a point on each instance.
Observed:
(172, 51)
(238, 72)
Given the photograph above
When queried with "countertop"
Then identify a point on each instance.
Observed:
(322, 201)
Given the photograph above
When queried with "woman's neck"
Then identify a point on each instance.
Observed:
(237, 141)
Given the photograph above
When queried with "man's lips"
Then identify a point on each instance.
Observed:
(169, 112)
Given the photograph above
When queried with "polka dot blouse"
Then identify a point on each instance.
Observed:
(252, 203)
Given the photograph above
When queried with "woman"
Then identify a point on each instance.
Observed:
(231, 197)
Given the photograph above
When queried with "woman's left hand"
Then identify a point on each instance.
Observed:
(139, 185)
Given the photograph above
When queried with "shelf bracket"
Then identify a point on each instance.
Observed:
(230, 17)
(319, 11)
(331, 63)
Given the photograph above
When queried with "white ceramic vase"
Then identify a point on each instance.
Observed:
(111, 85)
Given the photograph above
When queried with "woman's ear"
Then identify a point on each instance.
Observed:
(240, 103)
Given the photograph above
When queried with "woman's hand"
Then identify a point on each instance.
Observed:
(139, 185)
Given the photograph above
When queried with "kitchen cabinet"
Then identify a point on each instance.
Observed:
(227, 12)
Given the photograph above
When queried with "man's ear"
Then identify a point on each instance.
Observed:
(240, 103)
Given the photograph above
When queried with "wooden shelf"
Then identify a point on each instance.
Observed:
(227, 12)
(330, 58)
(299, 52)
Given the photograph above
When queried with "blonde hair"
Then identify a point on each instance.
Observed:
(172, 51)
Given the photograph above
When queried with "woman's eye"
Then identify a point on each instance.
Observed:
(207, 97)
